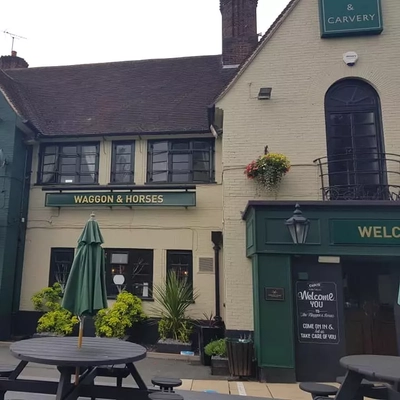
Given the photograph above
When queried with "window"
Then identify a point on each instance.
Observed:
(181, 262)
(69, 163)
(356, 159)
(180, 161)
(137, 268)
(123, 155)
(61, 260)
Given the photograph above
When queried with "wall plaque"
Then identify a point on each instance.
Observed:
(274, 294)
(350, 17)
(317, 312)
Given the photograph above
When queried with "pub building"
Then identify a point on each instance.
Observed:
(312, 268)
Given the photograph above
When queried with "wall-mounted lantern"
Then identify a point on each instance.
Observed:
(298, 226)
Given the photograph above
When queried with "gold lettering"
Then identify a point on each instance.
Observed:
(141, 198)
(103, 199)
(365, 231)
(148, 199)
(135, 198)
(377, 231)
(394, 230)
(97, 199)
(128, 198)
(85, 200)
(154, 198)
(91, 199)
(385, 234)
(161, 198)
(77, 199)
(110, 198)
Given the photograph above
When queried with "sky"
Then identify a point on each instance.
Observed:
(61, 32)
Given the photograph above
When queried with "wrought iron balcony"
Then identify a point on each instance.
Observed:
(360, 176)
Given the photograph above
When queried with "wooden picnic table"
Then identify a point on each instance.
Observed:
(64, 353)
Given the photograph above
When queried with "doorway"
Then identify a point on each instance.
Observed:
(370, 293)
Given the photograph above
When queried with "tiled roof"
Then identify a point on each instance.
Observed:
(148, 96)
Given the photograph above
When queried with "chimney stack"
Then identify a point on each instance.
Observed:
(12, 62)
(239, 30)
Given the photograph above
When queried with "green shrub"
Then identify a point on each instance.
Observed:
(216, 348)
(174, 297)
(55, 319)
(114, 321)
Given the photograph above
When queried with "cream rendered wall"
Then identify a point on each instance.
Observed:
(160, 229)
(300, 67)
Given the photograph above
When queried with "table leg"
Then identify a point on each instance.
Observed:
(135, 375)
(17, 371)
(63, 385)
(350, 386)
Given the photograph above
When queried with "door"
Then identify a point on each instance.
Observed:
(370, 293)
(356, 162)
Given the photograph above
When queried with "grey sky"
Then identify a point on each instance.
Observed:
(88, 31)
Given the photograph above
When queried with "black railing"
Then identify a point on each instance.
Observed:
(360, 176)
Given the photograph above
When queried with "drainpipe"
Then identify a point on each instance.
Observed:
(216, 238)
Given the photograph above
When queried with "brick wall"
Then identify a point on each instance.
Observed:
(300, 67)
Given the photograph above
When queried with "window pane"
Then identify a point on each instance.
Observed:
(341, 130)
(123, 177)
(67, 179)
(123, 168)
(50, 150)
(201, 166)
(201, 145)
(160, 157)
(48, 178)
(181, 263)
(60, 265)
(119, 258)
(159, 177)
(363, 130)
(340, 119)
(180, 178)
(69, 169)
(68, 160)
(160, 146)
(180, 145)
(87, 178)
(87, 168)
(49, 159)
(201, 176)
(364, 118)
(161, 166)
(123, 158)
(70, 150)
(89, 149)
(180, 158)
(88, 159)
(123, 149)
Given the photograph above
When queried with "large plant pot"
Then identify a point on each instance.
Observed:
(207, 334)
(219, 366)
(172, 346)
(240, 357)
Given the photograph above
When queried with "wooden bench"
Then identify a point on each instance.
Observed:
(166, 384)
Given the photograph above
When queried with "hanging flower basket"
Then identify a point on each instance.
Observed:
(268, 170)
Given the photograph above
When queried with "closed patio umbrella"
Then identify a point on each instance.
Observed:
(85, 291)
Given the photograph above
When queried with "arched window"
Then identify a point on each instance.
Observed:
(356, 160)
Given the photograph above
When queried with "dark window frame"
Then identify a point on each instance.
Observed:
(353, 155)
(129, 282)
(170, 266)
(114, 172)
(190, 151)
(78, 156)
(53, 262)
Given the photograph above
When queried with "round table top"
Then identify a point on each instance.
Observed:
(64, 351)
(386, 368)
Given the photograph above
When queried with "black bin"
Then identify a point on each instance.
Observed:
(240, 357)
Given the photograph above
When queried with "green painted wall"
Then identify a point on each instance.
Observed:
(13, 208)
(274, 327)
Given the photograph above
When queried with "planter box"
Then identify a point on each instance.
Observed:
(219, 366)
(208, 334)
(172, 346)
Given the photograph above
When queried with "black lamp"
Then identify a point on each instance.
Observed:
(298, 226)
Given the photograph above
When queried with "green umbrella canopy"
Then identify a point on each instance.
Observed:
(85, 292)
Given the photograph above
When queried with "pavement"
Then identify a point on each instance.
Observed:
(195, 378)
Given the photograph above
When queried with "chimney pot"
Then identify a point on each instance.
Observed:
(12, 62)
(13, 53)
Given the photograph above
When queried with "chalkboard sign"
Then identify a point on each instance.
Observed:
(317, 312)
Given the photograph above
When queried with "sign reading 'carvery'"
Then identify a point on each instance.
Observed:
(350, 17)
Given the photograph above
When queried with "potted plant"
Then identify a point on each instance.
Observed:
(209, 329)
(174, 296)
(116, 320)
(268, 170)
(56, 320)
(216, 350)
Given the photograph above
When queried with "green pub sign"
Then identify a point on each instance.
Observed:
(365, 232)
(350, 17)
(123, 199)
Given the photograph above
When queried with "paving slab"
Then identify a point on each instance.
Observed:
(257, 389)
(287, 391)
(219, 386)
